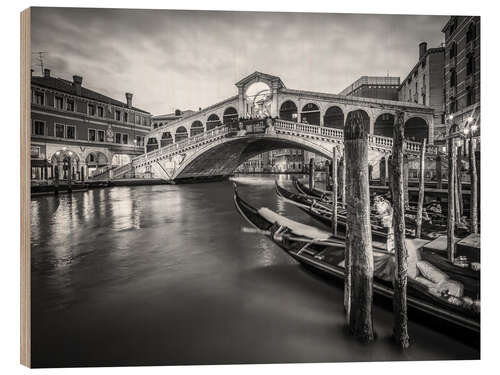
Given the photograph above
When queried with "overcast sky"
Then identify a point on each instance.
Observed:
(191, 59)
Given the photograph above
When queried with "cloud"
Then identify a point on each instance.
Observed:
(191, 59)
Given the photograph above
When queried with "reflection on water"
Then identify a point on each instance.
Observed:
(165, 275)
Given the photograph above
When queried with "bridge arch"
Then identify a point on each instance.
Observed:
(334, 118)
(384, 125)
(166, 139)
(416, 129)
(197, 128)
(152, 144)
(180, 134)
(311, 114)
(230, 115)
(289, 111)
(213, 121)
(222, 158)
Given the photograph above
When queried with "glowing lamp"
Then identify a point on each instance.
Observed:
(474, 127)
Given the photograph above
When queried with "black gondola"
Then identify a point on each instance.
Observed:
(324, 254)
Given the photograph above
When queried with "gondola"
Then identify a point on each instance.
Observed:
(326, 196)
(317, 250)
(320, 209)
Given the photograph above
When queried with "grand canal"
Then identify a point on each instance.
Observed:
(166, 275)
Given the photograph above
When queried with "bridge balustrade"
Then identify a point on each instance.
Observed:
(374, 140)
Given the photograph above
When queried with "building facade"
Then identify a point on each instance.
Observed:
(77, 132)
(374, 87)
(424, 85)
(462, 89)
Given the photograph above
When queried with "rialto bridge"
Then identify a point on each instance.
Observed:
(266, 115)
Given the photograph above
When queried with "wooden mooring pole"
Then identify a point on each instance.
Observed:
(473, 185)
(311, 173)
(342, 179)
(405, 180)
(439, 173)
(334, 190)
(400, 329)
(460, 199)
(421, 187)
(359, 252)
(451, 193)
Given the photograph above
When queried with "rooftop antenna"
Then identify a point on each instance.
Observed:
(40, 59)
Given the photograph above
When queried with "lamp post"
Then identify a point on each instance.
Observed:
(469, 132)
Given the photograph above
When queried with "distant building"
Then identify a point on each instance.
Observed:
(76, 131)
(162, 120)
(462, 87)
(374, 87)
(424, 85)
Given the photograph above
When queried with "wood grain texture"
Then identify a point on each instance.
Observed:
(421, 187)
(400, 330)
(25, 342)
(359, 237)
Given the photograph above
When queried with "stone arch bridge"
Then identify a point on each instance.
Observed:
(218, 152)
(205, 143)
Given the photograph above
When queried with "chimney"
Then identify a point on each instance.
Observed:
(129, 99)
(77, 83)
(46, 73)
(422, 49)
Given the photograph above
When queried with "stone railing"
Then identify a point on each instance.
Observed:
(373, 140)
(117, 172)
(377, 141)
(175, 147)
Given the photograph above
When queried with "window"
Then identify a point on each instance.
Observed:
(100, 111)
(155, 125)
(118, 138)
(70, 105)
(470, 95)
(35, 151)
(59, 131)
(70, 132)
(453, 105)
(137, 119)
(92, 135)
(139, 140)
(58, 102)
(470, 64)
(471, 33)
(118, 115)
(125, 139)
(92, 109)
(125, 117)
(39, 98)
(100, 135)
(453, 50)
(39, 128)
(453, 78)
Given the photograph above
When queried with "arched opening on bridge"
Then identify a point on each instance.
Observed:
(166, 139)
(310, 114)
(152, 144)
(196, 128)
(180, 134)
(334, 118)
(230, 115)
(288, 111)
(384, 125)
(213, 121)
(416, 129)
(120, 159)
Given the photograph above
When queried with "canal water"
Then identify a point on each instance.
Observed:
(167, 275)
